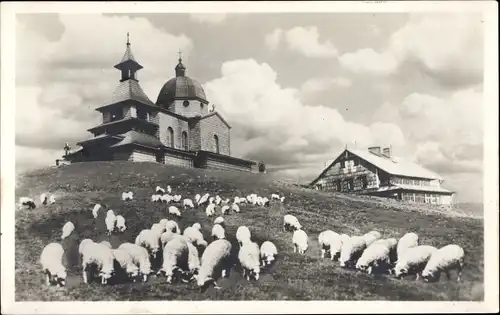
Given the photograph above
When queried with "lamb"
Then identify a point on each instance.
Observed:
(218, 232)
(219, 220)
(140, 257)
(95, 211)
(120, 223)
(408, 240)
(172, 226)
(188, 203)
(175, 255)
(444, 259)
(371, 237)
(159, 190)
(194, 236)
(235, 208)
(150, 240)
(210, 210)
(127, 196)
(107, 244)
(67, 229)
(268, 252)
(173, 210)
(330, 242)
(225, 209)
(290, 222)
(51, 261)
(126, 262)
(300, 243)
(375, 256)
(100, 256)
(352, 249)
(110, 222)
(197, 226)
(249, 257)
(243, 235)
(413, 260)
(215, 257)
(27, 202)
(43, 199)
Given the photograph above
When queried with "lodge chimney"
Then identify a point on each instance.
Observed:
(374, 150)
(387, 152)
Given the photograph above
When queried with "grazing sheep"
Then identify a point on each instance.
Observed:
(219, 220)
(197, 198)
(67, 229)
(51, 261)
(235, 208)
(243, 235)
(249, 257)
(120, 223)
(150, 240)
(225, 209)
(194, 236)
(27, 202)
(275, 197)
(106, 243)
(408, 240)
(173, 210)
(268, 252)
(188, 203)
(375, 256)
(215, 258)
(159, 190)
(172, 226)
(52, 199)
(218, 200)
(300, 241)
(166, 198)
(352, 249)
(175, 256)
(156, 198)
(100, 256)
(330, 242)
(391, 243)
(166, 237)
(140, 257)
(236, 200)
(413, 260)
(265, 202)
(43, 199)
(82, 245)
(291, 223)
(169, 189)
(210, 210)
(203, 200)
(193, 259)
(95, 210)
(218, 232)
(110, 221)
(371, 237)
(197, 226)
(127, 196)
(226, 201)
(158, 228)
(126, 263)
(446, 258)
(282, 199)
(177, 198)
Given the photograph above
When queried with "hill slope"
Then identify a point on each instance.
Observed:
(293, 277)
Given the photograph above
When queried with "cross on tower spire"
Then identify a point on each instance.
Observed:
(128, 39)
(180, 55)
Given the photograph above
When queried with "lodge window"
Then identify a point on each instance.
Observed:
(185, 144)
(170, 137)
(142, 114)
(216, 144)
(116, 114)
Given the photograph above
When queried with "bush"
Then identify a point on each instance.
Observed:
(262, 167)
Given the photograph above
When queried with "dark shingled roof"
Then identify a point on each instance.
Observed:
(181, 87)
(128, 55)
(134, 137)
(129, 90)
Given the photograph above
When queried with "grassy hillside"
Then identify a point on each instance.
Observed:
(293, 277)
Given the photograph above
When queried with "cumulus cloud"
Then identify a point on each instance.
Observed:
(283, 129)
(447, 46)
(214, 18)
(304, 40)
(324, 83)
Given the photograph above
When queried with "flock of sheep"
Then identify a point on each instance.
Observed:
(163, 250)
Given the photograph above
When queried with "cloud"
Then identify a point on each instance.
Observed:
(276, 126)
(214, 18)
(324, 83)
(304, 40)
(448, 47)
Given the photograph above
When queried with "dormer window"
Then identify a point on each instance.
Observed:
(201, 106)
(185, 103)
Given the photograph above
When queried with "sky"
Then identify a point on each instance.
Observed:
(295, 87)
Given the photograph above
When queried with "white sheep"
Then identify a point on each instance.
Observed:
(375, 256)
(140, 257)
(218, 232)
(408, 240)
(120, 223)
(352, 249)
(219, 220)
(169, 189)
(218, 200)
(204, 199)
(173, 210)
(127, 196)
(225, 201)
(235, 208)
(67, 229)
(194, 236)
(243, 235)
(177, 198)
(171, 225)
(197, 198)
(100, 256)
(156, 198)
(446, 258)
(371, 237)
(166, 198)
(330, 242)
(126, 262)
(225, 209)
(159, 190)
(249, 257)
(290, 222)
(106, 243)
(175, 255)
(268, 252)
(282, 199)
(52, 199)
(188, 203)
(95, 210)
(150, 240)
(43, 199)
(166, 237)
(110, 221)
(158, 228)
(300, 241)
(391, 243)
(215, 257)
(193, 259)
(197, 226)
(210, 210)
(27, 202)
(413, 260)
(82, 245)
(51, 261)
(275, 197)
(236, 200)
